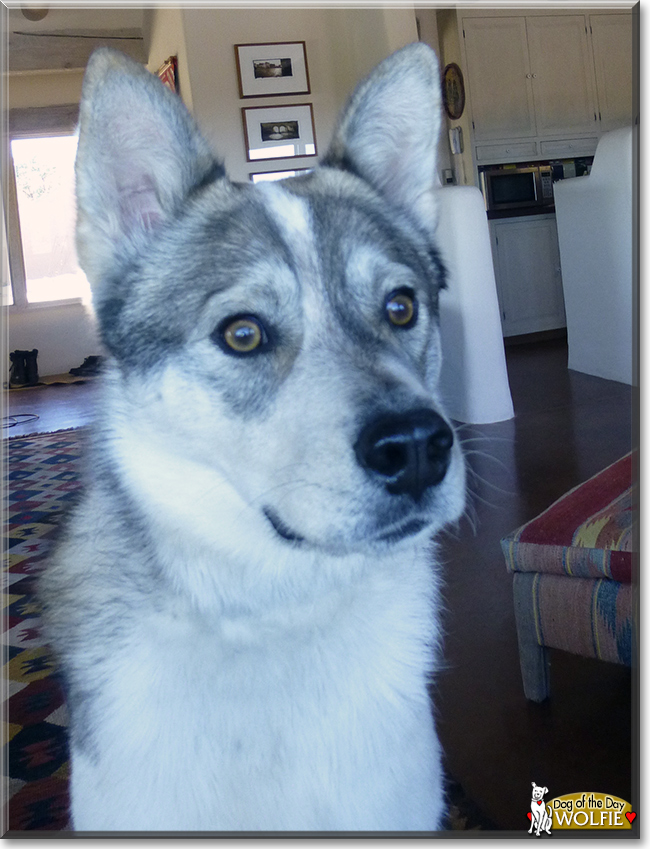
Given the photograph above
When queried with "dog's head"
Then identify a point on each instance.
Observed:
(281, 340)
(538, 792)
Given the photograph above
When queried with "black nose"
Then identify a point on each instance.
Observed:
(408, 452)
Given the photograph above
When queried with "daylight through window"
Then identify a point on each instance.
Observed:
(44, 170)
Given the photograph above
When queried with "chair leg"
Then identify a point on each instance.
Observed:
(534, 672)
(533, 656)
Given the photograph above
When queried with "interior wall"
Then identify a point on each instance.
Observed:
(450, 52)
(342, 46)
(164, 36)
(43, 88)
(64, 335)
(428, 25)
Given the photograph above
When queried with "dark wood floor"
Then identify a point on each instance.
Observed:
(567, 427)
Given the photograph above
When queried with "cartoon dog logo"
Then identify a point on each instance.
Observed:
(540, 815)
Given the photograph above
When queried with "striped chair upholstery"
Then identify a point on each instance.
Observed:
(572, 576)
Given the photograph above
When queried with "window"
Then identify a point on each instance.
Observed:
(7, 293)
(41, 210)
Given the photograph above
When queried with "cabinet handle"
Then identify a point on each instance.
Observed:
(529, 76)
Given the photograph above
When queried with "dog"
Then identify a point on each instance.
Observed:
(245, 601)
(541, 818)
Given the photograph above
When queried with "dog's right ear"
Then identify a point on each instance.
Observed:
(140, 154)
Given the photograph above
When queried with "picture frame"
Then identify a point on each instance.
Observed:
(168, 73)
(272, 176)
(453, 91)
(279, 132)
(272, 69)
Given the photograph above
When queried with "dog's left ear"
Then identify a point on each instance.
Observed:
(388, 132)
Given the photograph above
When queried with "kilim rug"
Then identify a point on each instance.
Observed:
(41, 478)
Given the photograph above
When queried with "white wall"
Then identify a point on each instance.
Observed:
(342, 46)
(428, 20)
(450, 52)
(64, 336)
(164, 36)
(43, 88)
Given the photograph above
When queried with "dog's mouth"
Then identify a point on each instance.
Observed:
(405, 529)
(280, 528)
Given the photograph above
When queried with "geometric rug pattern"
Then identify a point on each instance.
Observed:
(41, 477)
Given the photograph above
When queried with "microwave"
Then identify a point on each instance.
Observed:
(522, 187)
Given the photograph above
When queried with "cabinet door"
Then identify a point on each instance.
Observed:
(527, 267)
(562, 74)
(611, 38)
(499, 78)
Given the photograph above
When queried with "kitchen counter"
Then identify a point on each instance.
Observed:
(493, 215)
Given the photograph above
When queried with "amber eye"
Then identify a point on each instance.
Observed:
(243, 335)
(402, 308)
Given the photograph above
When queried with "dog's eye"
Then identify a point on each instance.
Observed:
(242, 335)
(402, 308)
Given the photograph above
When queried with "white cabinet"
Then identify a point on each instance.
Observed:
(611, 39)
(560, 63)
(543, 84)
(500, 78)
(527, 270)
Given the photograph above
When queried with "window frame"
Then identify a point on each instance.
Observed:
(35, 122)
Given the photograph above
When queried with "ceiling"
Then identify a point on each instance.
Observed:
(75, 19)
(65, 38)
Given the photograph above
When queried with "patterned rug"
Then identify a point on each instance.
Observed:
(41, 477)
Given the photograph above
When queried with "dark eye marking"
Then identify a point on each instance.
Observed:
(241, 335)
(401, 308)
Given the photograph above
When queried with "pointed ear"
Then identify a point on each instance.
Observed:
(388, 132)
(140, 154)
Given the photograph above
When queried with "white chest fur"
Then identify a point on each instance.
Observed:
(312, 718)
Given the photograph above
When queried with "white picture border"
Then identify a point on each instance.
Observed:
(252, 86)
(258, 149)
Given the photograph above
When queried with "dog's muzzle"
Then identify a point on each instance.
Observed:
(407, 453)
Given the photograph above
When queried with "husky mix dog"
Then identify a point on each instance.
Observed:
(244, 601)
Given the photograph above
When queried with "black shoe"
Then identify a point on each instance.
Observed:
(31, 367)
(90, 366)
(17, 373)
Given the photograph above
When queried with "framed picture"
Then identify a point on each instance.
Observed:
(453, 91)
(272, 176)
(267, 70)
(279, 132)
(168, 73)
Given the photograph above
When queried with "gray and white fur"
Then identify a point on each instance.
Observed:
(245, 600)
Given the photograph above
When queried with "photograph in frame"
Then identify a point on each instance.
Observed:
(279, 132)
(269, 70)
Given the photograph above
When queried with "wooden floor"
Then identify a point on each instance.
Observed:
(567, 427)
